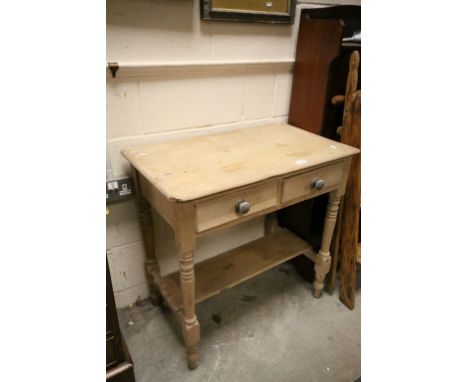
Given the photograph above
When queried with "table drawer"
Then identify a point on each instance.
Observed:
(216, 212)
(299, 186)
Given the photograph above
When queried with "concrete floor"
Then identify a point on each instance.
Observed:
(269, 328)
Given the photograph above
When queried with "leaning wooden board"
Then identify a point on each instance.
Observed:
(351, 211)
(348, 136)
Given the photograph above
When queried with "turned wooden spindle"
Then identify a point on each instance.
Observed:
(146, 225)
(185, 241)
(322, 260)
(191, 327)
(271, 223)
(147, 232)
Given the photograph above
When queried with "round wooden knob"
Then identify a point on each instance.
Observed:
(242, 207)
(317, 183)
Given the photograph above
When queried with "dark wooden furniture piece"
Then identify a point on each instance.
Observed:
(119, 364)
(321, 66)
(320, 72)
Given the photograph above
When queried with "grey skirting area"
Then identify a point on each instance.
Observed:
(269, 328)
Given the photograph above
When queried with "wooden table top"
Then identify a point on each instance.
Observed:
(193, 168)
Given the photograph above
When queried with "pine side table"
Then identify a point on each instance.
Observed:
(207, 183)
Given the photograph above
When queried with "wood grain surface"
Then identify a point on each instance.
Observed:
(192, 168)
(350, 211)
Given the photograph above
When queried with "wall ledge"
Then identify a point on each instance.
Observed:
(128, 70)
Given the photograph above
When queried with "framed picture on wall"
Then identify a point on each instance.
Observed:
(263, 11)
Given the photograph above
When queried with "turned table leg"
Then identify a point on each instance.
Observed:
(271, 223)
(322, 260)
(147, 232)
(191, 327)
(185, 241)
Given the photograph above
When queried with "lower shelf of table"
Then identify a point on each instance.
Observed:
(233, 267)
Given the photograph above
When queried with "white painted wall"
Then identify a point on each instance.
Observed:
(180, 77)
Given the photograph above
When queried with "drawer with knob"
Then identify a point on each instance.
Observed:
(228, 208)
(312, 183)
